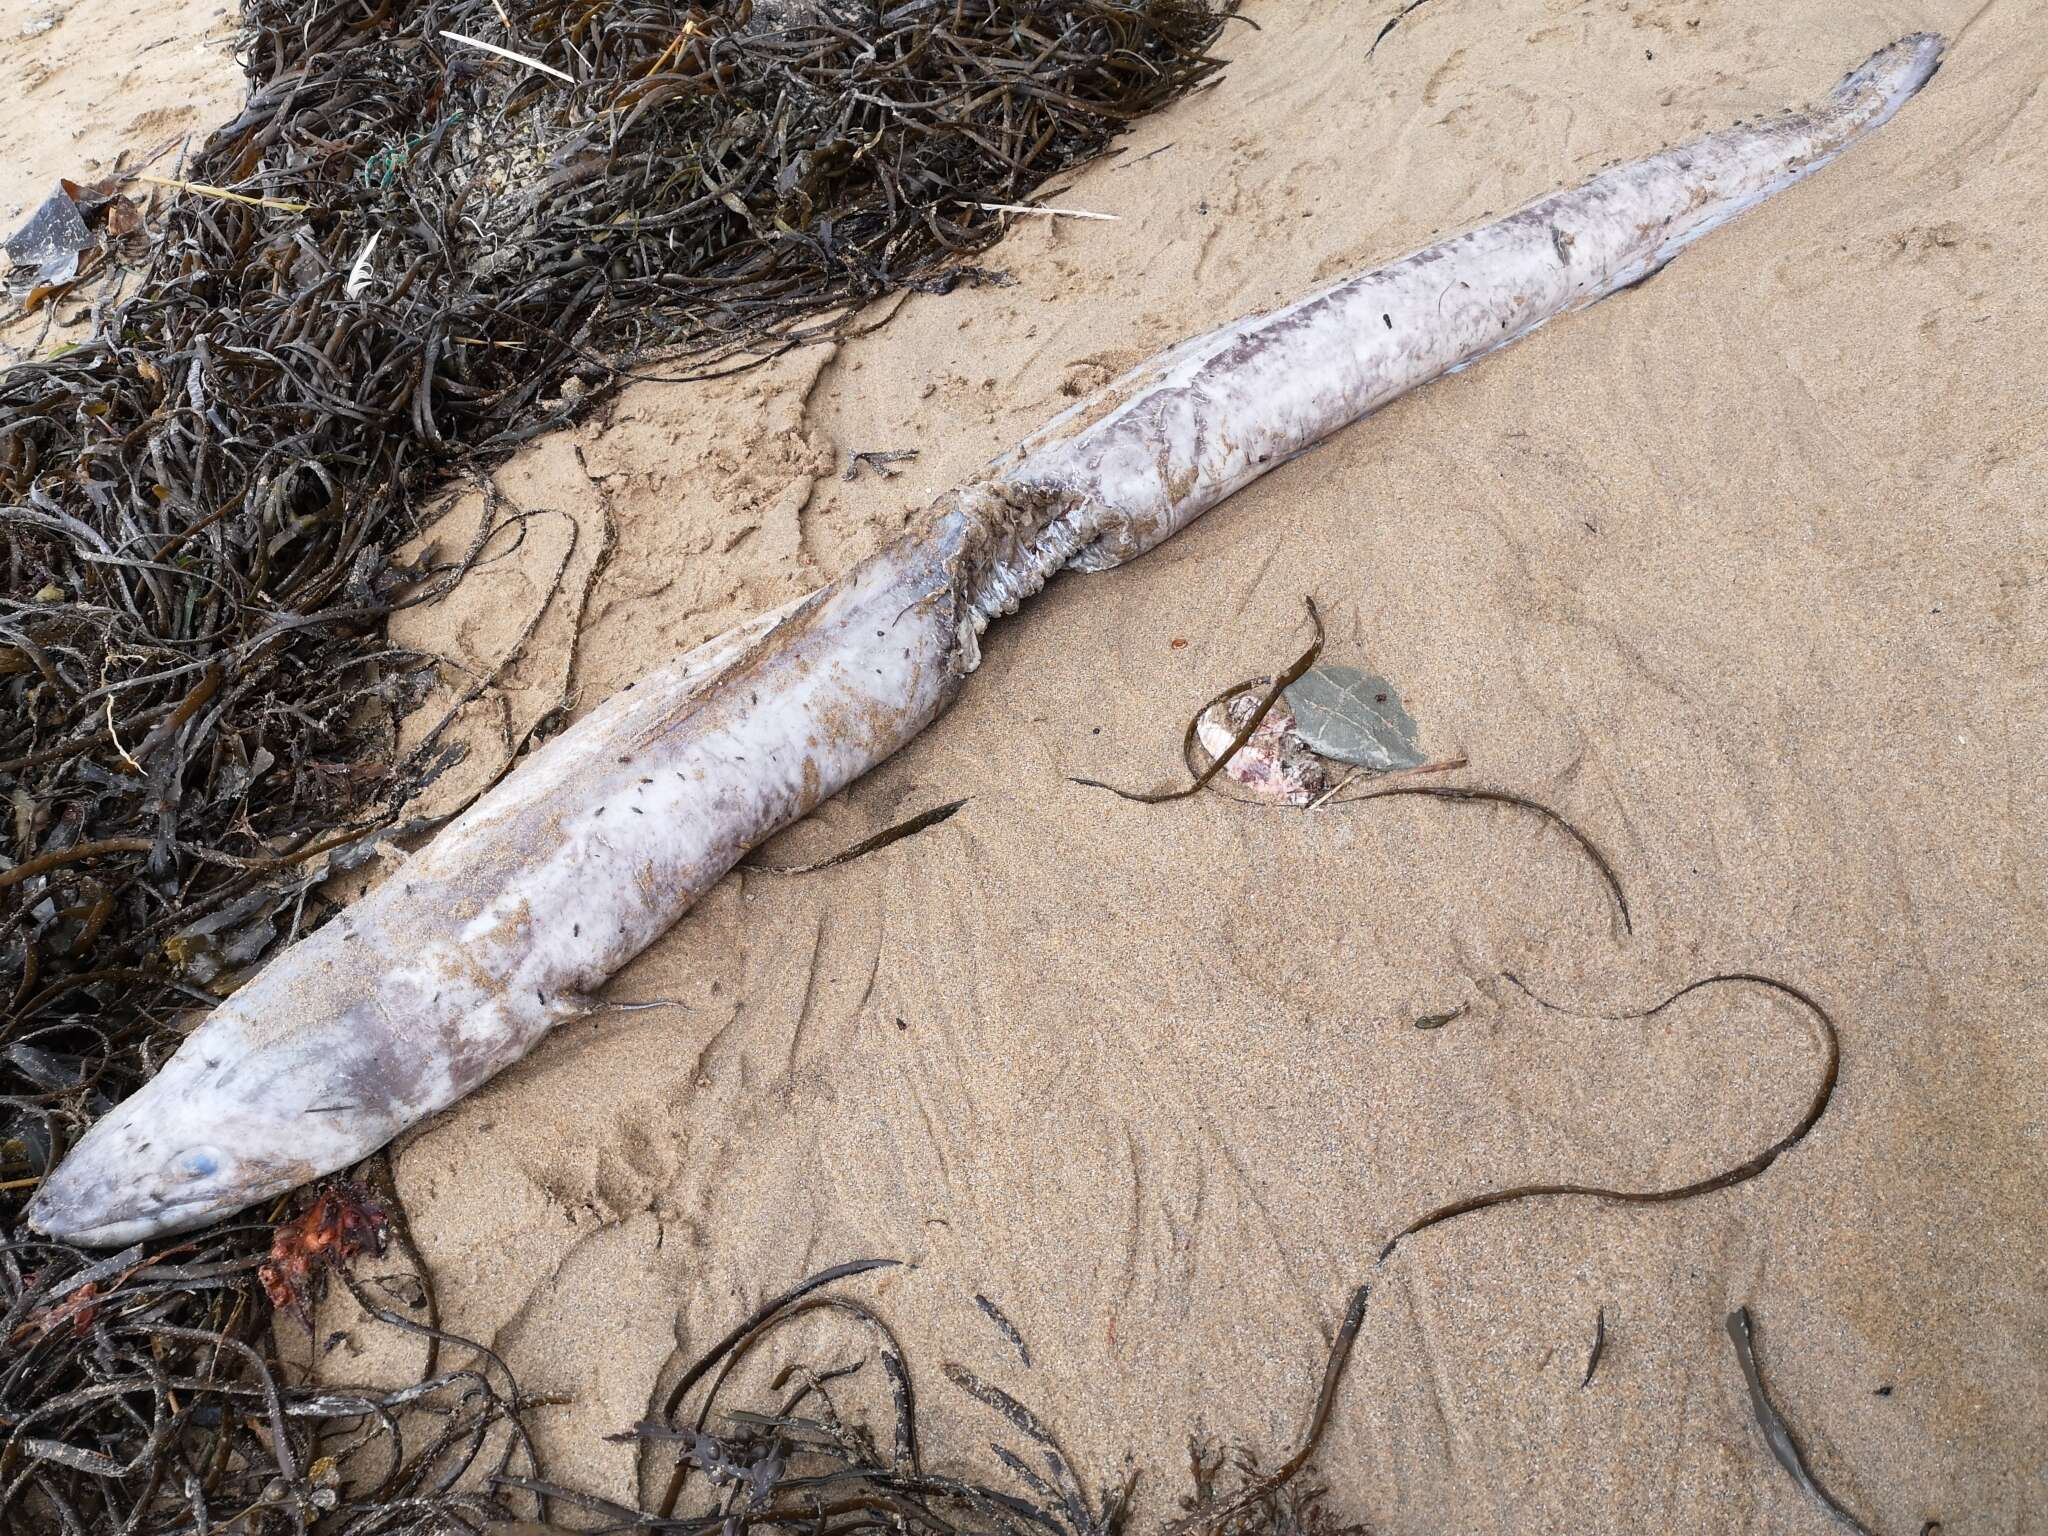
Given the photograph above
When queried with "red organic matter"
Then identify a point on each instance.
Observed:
(75, 1311)
(344, 1220)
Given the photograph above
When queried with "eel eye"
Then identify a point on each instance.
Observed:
(198, 1163)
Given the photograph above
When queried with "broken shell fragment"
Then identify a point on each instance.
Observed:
(1274, 765)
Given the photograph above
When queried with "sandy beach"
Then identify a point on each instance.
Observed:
(1742, 571)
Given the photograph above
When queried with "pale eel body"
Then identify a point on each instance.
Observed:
(505, 924)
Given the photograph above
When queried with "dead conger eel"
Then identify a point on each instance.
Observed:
(506, 923)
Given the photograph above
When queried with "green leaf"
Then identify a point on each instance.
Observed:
(1354, 717)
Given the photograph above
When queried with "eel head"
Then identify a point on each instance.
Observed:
(170, 1158)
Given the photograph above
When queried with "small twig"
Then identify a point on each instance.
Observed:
(507, 53)
(114, 736)
(284, 205)
(661, 59)
(1050, 213)
(1350, 773)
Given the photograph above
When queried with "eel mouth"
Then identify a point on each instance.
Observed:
(91, 1225)
(93, 1209)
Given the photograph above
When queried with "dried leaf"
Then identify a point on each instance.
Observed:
(124, 217)
(1354, 717)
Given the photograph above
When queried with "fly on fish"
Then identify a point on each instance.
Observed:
(509, 922)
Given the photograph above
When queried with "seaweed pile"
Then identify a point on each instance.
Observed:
(811, 1463)
(405, 256)
(182, 1422)
(140, 1394)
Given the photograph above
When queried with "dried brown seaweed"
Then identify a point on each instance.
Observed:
(1599, 1348)
(923, 821)
(430, 255)
(1291, 1508)
(809, 1463)
(1222, 1516)
(1005, 1327)
(1727, 1178)
(138, 1392)
(1393, 21)
(1776, 1432)
(1474, 795)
